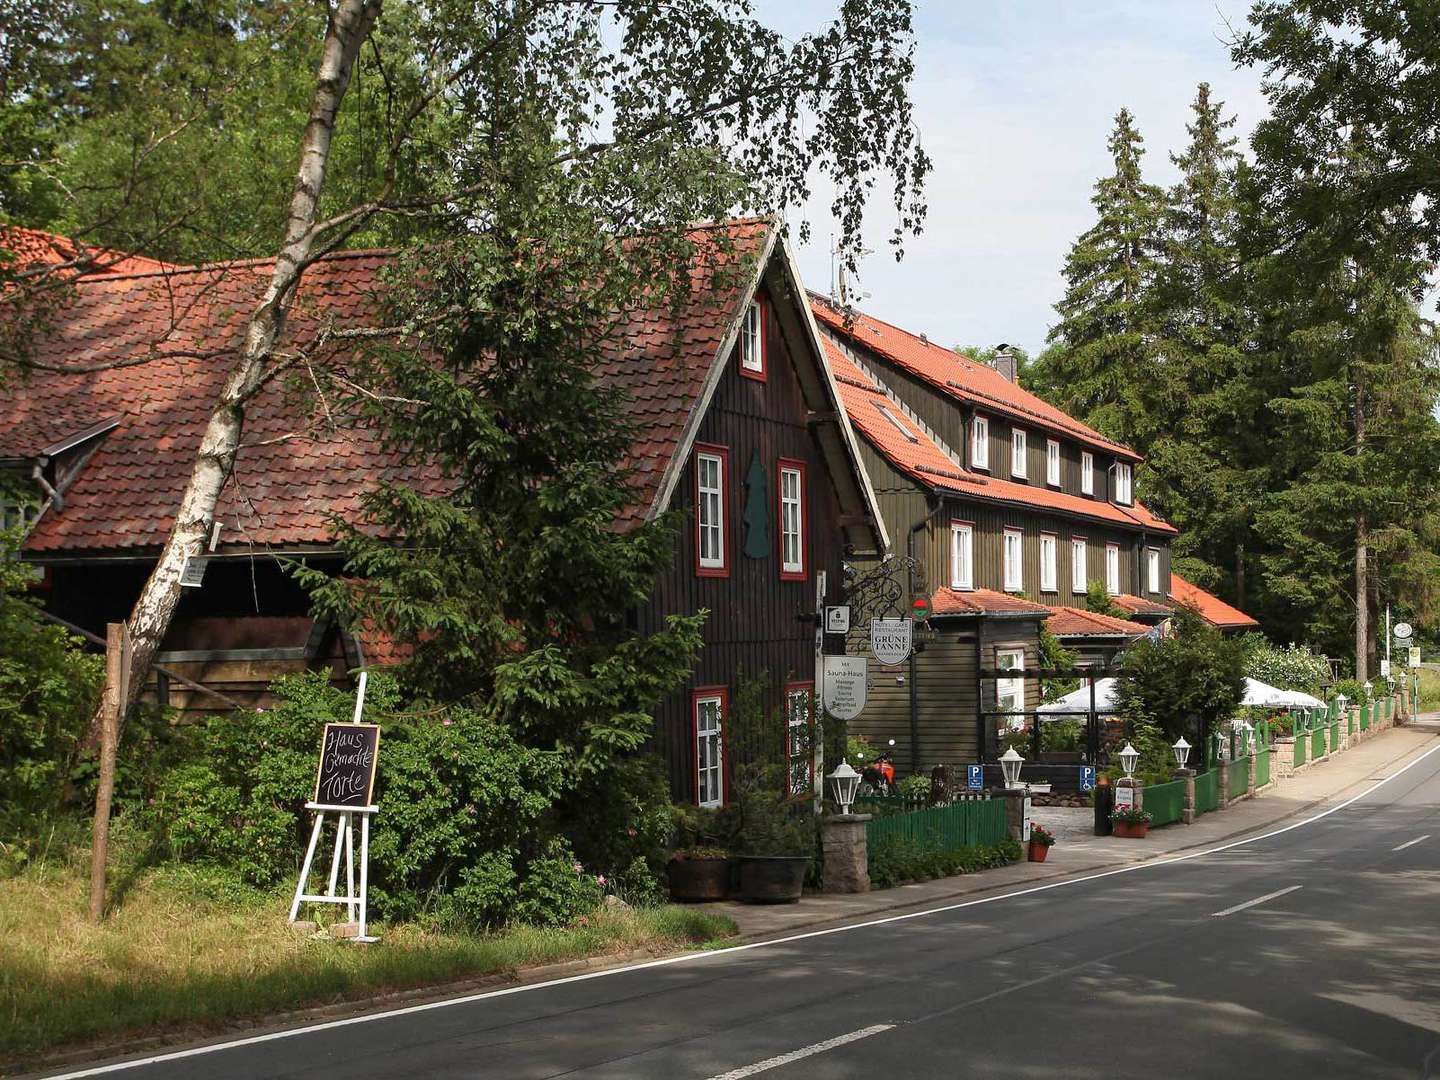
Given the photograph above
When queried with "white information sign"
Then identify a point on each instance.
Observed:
(1403, 630)
(837, 619)
(1414, 655)
(1025, 822)
(1385, 669)
(890, 640)
(844, 689)
(1124, 797)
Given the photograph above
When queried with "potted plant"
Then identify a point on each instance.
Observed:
(1130, 822)
(1041, 841)
(697, 874)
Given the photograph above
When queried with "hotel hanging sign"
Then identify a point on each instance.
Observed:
(891, 640)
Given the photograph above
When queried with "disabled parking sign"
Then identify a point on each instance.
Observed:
(1087, 777)
(975, 777)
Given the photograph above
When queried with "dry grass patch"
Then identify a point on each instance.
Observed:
(188, 948)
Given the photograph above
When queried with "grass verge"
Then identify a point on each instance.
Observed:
(188, 950)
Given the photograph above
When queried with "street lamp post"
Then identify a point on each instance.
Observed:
(844, 783)
(1010, 763)
(1182, 752)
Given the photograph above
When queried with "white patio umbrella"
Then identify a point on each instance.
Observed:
(1272, 697)
(1077, 702)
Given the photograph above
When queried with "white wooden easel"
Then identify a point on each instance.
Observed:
(355, 902)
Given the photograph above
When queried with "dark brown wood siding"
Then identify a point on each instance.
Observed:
(755, 623)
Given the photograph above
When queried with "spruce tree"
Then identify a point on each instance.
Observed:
(1107, 356)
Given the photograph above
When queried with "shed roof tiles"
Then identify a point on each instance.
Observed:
(1211, 608)
(1078, 622)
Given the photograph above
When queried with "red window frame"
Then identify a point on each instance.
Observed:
(807, 687)
(781, 464)
(723, 453)
(723, 693)
(763, 373)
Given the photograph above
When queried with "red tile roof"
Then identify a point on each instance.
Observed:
(1078, 622)
(285, 488)
(34, 246)
(917, 455)
(960, 377)
(983, 602)
(1138, 605)
(1211, 608)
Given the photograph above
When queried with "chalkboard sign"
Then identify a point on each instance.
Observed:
(348, 755)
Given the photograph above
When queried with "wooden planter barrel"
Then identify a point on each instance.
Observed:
(1038, 851)
(1131, 830)
(772, 879)
(694, 881)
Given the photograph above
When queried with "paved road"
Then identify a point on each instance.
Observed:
(1311, 953)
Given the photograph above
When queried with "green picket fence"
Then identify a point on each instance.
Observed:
(1165, 802)
(961, 824)
(1262, 767)
(1317, 744)
(1299, 749)
(1237, 776)
(1335, 736)
(1207, 792)
(1364, 718)
(1349, 722)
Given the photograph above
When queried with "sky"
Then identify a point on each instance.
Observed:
(1015, 101)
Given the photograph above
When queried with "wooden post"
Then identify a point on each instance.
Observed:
(117, 667)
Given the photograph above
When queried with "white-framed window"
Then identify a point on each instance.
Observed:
(1087, 473)
(1009, 693)
(1122, 482)
(1014, 556)
(712, 556)
(798, 744)
(792, 520)
(1152, 569)
(1018, 466)
(1079, 565)
(962, 555)
(16, 512)
(1112, 569)
(709, 711)
(980, 443)
(1052, 462)
(1048, 560)
(752, 342)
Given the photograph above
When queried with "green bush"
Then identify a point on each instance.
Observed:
(904, 859)
(1290, 667)
(464, 807)
(1182, 684)
(556, 889)
(915, 787)
(48, 691)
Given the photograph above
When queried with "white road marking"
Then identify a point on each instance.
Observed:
(703, 957)
(1252, 903)
(1411, 843)
(803, 1052)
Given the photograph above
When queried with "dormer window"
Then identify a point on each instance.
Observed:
(1052, 462)
(980, 443)
(1122, 483)
(18, 508)
(1087, 473)
(1017, 454)
(752, 342)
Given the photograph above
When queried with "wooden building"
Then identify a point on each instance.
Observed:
(740, 427)
(1013, 509)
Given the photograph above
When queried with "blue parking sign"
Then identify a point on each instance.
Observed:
(975, 777)
(1087, 777)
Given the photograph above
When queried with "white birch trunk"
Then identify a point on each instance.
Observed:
(349, 24)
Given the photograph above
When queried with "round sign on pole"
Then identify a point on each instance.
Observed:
(1403, 630)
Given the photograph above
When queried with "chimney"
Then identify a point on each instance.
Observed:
(1006, 362)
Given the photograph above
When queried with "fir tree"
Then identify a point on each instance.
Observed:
(1107, 356)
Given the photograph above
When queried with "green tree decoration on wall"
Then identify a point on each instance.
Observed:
(757, 509)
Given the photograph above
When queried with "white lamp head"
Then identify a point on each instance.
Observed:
(844, 782)
(1129, 758)
(1010, 763)
(1182, 752)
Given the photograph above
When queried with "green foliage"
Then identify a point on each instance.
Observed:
(1290, 667)
(1189, 681)
(1062, 736)
(766, 819)
(48, 691)
(1055, 655)
(1131, 816)
(1097, 599)
(1041, 835)
(900, 860)
(556, 889)
(1353, 689)
(915, 787)
(466, 806)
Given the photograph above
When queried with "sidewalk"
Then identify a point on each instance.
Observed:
(1286, 799)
